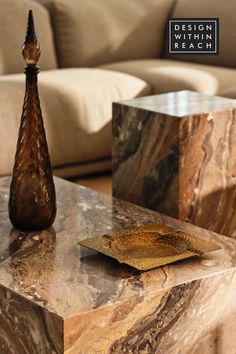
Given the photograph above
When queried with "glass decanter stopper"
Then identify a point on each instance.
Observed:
(32, 203)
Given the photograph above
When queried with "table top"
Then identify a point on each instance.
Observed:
(50, 269)
(181, 103)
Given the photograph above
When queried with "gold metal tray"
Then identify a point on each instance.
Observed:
(149, 246)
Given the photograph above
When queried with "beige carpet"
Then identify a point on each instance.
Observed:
(101, 183)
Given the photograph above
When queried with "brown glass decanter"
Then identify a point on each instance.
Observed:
(32, 203)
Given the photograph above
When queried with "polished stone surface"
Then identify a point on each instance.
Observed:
(176, 153)
(181, 103)
(59, 297)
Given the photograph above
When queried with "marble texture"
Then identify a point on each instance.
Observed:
(175, 153)
(59, 297)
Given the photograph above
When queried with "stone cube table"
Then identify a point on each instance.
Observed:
(59, 297)
(176, 153)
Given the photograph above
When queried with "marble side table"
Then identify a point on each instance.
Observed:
(58, 297)
(176, 153)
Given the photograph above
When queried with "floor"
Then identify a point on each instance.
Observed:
(101, 183)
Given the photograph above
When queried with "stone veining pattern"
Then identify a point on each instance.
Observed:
(184, 161)
(58, 297)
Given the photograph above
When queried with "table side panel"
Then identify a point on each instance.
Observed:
(145, 158)
(26, 328)
(191, 317)
(208, 171)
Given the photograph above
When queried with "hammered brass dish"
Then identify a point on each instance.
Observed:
(149, 246)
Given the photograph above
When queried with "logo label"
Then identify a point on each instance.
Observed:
(193, 36)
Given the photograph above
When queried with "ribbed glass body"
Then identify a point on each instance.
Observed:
(32, 203)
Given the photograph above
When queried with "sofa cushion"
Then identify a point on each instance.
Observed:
(172, 75)
(77, 110)
(92, 32)
(83, 168)
(225, 11)
(230, 93)
(13, 19)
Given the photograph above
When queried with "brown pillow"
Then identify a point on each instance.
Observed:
(95, 32)
(225, 11)
(13, 19)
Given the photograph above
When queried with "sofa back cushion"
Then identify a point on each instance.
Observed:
(225, 11)
(95, 32)
(13, 19)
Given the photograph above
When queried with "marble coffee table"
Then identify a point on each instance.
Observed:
(58, 297)
(176, 153)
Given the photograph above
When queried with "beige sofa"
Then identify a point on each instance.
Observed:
(95, 52)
